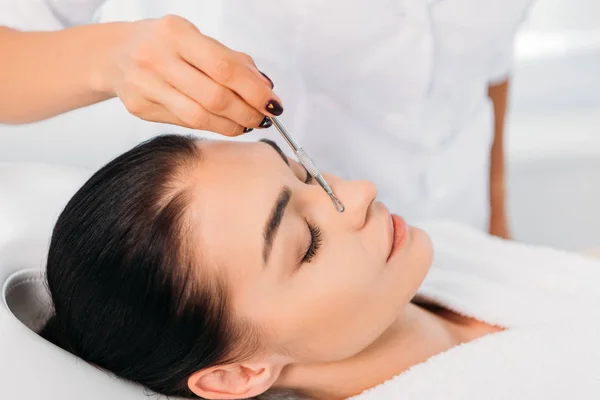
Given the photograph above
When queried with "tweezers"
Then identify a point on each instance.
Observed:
(308, 163)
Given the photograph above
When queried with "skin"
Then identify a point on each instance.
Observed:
(498, 94)
(334, 326)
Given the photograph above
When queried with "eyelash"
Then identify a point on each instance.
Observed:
(309, 177)
(316, 238)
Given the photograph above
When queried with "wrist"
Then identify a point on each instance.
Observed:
(102, 56)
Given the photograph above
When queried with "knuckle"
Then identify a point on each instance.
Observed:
(198, 119)
(165, 27)
(171, 26)
(169, 23)
(135, 108)
(233, 130)
(224, 70)
(219, 100)
(246, 58)
(250, 118)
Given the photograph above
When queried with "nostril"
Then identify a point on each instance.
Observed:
(372, 201)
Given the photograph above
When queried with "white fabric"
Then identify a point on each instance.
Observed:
(554, 363)
(47, 14)
(547, 299)
(389, 90)
(31, 198)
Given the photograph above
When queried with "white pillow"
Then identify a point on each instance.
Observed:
(31, 198)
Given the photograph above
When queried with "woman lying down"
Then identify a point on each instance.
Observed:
(220, 270)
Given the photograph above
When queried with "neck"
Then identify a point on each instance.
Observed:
(412, 339)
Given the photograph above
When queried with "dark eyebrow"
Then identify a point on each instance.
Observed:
(274, 221)
(276, 148)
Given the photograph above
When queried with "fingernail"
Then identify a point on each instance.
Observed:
(269, 79)
(266, 123)
(246, 130)
(274, 107)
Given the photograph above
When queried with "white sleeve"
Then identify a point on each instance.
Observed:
(501, 62)
(503, 57)
(29, 15)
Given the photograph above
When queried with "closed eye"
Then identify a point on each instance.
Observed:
(316, 239)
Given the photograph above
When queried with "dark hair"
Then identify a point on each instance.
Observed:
(129, 295)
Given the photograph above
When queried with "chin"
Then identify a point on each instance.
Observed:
(416, 261)
(423, 244)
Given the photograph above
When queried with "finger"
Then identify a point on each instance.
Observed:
(187, 111)
(254, 69)
(141, 107)
(222, 65)
(158, 113)
(268, 79)
(215, 98)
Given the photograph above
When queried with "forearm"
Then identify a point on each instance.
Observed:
(499, 96)
(48, 73)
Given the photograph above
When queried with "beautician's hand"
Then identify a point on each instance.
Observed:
(166, 71)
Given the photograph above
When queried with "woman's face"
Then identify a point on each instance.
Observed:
(321, 284)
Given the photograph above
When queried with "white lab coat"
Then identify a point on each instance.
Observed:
(394, 91)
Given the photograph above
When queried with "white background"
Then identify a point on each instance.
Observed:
(554, 126)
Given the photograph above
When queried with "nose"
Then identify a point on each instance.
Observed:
(357, 197)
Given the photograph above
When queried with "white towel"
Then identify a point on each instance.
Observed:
(548, 300)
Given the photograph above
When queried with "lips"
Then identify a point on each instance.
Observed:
(397, 233)
(391, 235)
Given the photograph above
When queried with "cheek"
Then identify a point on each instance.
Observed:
(333, 311)
(352, 298)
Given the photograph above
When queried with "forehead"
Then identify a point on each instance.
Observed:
(233, 188)
(237, 165)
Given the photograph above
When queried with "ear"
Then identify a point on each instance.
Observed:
(234, 381)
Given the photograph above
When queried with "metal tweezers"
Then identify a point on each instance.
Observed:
(308, 163)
